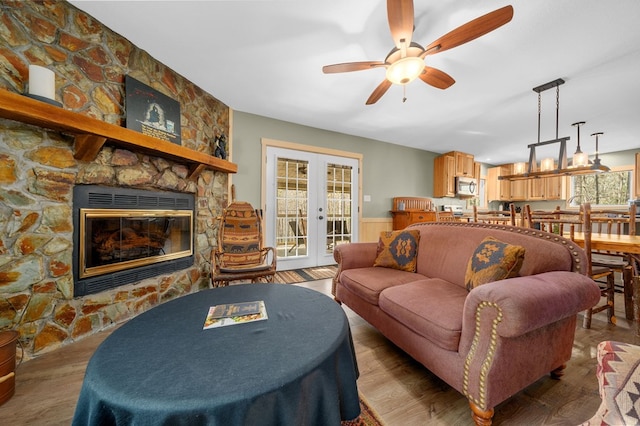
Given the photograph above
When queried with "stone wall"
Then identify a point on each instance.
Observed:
(38, 173)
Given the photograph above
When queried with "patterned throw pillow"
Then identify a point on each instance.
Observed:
(398, 250)
(493, 260)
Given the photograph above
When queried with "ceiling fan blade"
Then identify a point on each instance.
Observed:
(436, 78)
(351, 66)
(471, 30)
(378, 92)
(400, 15)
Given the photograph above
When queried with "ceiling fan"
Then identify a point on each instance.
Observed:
(405, 62)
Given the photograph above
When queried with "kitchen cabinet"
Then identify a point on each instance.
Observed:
(518, 188)
(498, 190)
(556, 187)
(536, 189)
(464, 164)
(444, 180)
(547, 188)
(476, 171)
(447, 167)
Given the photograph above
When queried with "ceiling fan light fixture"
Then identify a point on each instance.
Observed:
(405, 70)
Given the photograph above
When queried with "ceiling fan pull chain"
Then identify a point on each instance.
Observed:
(404, 93)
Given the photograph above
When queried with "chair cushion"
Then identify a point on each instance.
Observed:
(240, 240)
(493, 260)
(432, 308)
(398, 250)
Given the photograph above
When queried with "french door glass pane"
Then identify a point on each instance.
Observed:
(291, 201)
(339, 201)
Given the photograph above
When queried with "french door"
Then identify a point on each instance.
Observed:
(311, 206)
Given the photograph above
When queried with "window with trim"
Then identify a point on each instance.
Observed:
(601, 189)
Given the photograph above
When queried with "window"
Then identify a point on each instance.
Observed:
(601, 189)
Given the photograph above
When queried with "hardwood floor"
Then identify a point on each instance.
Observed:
(402, 391)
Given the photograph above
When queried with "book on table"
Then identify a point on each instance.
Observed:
(235, 313)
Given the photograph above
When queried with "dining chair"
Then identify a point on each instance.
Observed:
(617, 222)
(445, 216)
(503, 217)
(566, 223)
(240, 254)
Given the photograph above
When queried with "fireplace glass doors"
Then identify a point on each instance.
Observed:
(124, 236)
(113, 239)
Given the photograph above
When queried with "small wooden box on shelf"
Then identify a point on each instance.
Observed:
(409, 210)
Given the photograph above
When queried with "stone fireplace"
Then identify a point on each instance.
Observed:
(123, 236)
(41, 169)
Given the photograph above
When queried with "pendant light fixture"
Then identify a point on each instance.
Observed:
(548, 166)
(580, 159)
(596, 165)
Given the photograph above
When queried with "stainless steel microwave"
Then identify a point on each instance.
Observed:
(466, 186)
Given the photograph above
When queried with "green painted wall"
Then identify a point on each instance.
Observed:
(388, 170)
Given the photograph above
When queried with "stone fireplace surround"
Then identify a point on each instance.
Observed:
(38, 172)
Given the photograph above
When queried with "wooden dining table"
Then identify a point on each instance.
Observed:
(629, 244)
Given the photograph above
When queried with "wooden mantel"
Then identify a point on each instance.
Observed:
(91, 134)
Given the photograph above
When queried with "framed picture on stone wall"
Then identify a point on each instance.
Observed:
(152, 113)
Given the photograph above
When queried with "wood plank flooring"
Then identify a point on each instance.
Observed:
(402, 391)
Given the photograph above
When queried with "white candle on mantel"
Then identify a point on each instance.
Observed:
(42, 82)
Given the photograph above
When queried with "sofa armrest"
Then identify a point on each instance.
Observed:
(528, 303)
(355, 255)
(352, 256)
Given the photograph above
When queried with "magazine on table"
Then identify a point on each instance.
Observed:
(235, 313)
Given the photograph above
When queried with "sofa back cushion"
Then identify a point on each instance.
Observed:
(445, 249)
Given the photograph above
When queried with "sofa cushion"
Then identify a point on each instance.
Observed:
(398, 250)
(431, 308)
(493, 260)
(367, 283)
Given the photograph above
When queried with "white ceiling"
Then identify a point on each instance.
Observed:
(266, 57)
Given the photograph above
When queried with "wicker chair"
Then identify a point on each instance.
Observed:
(240, 254)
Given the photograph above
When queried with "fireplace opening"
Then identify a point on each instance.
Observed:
(124, 235)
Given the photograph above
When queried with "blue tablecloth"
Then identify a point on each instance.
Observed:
(296, 368)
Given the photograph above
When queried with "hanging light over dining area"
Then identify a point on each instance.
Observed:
(555, 166)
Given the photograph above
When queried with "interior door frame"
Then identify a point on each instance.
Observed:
(273, 143)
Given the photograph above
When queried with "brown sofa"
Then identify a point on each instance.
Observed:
(487, 343)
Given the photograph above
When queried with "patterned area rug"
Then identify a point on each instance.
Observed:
(367, 416)
(307, 274)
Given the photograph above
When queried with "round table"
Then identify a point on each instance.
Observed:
(298, 367)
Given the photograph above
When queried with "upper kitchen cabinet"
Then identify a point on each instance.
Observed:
(498, 190)
(444, 176)
(447, 167)
(465, 165)
(517, 188)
